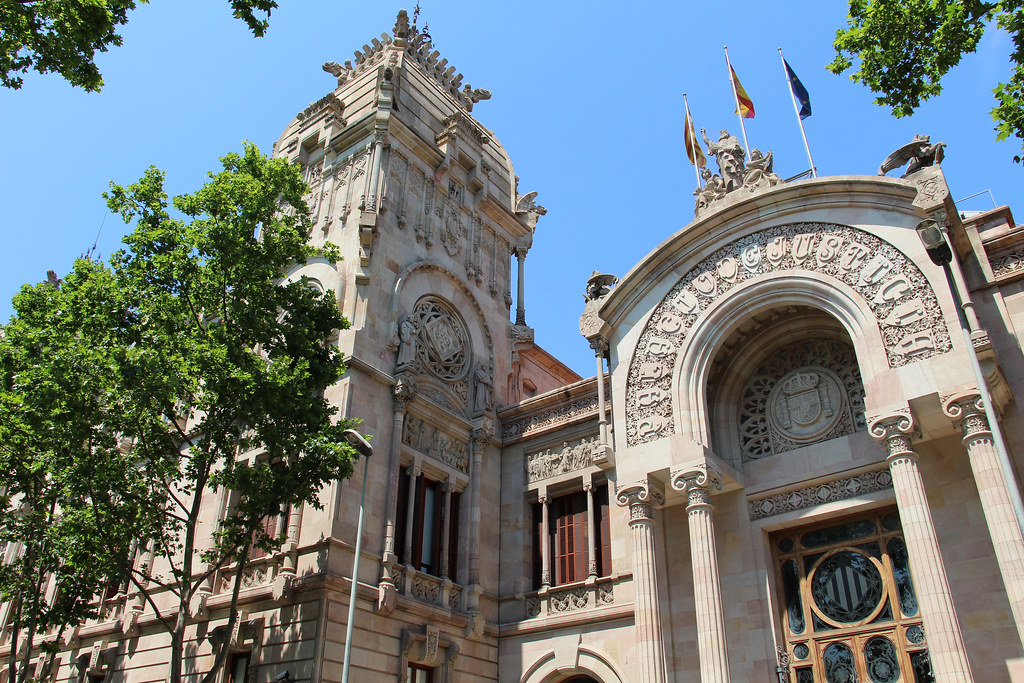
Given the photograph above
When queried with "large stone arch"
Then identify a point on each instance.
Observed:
(871, 286)
(765, 294)
(561, 664)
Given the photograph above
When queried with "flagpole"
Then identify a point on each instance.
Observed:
(799, 120)
(736, 99)
(693, 140)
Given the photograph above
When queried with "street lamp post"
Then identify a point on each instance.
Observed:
(939, 251)
(361, 445)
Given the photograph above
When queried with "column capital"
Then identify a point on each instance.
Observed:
(543, 499)
(967, 409)
(404, 390)
(519, 251)
(640, 497)
(413, 471)
(697, 483)
(483, 433)
(895, 431)
(588, 486)
(600, 346)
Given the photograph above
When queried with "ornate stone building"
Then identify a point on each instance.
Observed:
(781, 470)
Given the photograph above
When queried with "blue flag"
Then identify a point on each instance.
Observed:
(799, 91)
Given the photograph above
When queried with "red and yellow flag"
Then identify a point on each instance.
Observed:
(746, 105)
(693, 151)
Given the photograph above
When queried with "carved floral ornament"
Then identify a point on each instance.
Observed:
(890, 284)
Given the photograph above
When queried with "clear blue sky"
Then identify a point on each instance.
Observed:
(587, 101)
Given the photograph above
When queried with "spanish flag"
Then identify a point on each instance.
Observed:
(746, 105)
(693, 151)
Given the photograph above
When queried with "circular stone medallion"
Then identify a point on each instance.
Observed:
(806, 403)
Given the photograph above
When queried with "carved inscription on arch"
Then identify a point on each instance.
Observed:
(893, 287)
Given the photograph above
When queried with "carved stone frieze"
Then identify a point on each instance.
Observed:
(569, 600)
(569, 458)
(802, 394)
(429, 440)
(819, 494)
(567, 412)
(1007, 263)
(891, 285)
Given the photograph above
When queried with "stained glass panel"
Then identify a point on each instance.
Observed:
(847, 587)
(839, 666)
(883, 664)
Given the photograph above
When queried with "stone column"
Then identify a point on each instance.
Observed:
(945, 641)
(588, 486)
(446, 529)
(410, 509)
(545, 543)
(380, 138)
(994, 492)
(640, 498)
(520, 253)
(403, 391)
(481, 436)
(600, 347)
(697, 483)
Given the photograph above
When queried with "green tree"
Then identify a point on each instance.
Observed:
(64, 472)
(63, 37)
(213, 365)
(905, 47)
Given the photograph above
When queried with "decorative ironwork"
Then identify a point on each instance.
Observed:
(846, 587)
(839, 666)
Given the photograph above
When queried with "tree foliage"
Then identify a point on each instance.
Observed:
(204, 371)
(63, 37)
(64, 470)
(905, 47)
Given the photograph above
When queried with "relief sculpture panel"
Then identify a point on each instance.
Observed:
(552, 461)
(891, 285)
(429, 440)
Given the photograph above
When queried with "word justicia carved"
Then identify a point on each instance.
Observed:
(891, 285)
(569, 458)
(431, 441)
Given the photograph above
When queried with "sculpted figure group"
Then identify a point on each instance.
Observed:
(735, 172)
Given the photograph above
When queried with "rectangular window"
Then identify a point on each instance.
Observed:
(568, 537)
(272, 526)
(238, 667)
(420, 674)
(428, 526)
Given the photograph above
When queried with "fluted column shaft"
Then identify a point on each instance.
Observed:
(588, 487)
(545, 543)
(640, 499)
(945, 641)
(994, 493)
(712, 647)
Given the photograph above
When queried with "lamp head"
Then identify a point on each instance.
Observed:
(934, 241)
(356, 440)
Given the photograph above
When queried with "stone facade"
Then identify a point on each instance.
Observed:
(780, 468)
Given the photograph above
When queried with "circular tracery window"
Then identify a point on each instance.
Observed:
(847, 587)
(443, 346)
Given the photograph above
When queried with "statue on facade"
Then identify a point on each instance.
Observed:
(714, 188)
(729, 155)
(404, 340)
(759, 171)
(482, 397)
(916, 154)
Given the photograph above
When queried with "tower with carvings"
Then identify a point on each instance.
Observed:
(423, 203)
